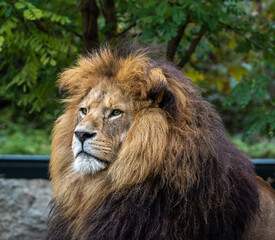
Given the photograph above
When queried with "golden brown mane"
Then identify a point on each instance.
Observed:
(176, 171)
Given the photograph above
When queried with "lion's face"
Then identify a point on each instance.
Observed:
(103, 120)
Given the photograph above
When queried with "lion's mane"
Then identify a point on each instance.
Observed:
(177, 176)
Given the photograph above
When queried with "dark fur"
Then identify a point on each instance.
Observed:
(154, 210)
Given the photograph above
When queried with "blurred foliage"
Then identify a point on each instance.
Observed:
(33, 142)
(256, 147)
(226, 47)
(22, 137)
(35, 43)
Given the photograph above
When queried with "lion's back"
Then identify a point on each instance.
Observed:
(263, 226)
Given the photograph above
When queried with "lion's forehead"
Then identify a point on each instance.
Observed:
(106, 95)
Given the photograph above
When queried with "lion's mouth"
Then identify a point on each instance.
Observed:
(92, 156)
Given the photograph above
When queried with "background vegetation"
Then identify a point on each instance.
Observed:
(225, 46)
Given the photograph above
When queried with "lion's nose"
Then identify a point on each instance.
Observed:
(82, 136)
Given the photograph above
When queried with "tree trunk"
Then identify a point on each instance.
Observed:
(108, 9)
(89, 14)
(192, 47)
(174, 42)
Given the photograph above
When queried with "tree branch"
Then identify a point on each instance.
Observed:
(109, 12)
(174, 42)
(126, 29)
(51, 33)
(237, 31)
(89, 14)
(41, 28)
(192, 47)
(20, 17)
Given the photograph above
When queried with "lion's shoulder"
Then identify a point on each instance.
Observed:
(262, 227)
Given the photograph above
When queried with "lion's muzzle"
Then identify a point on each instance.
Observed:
(90, 152)
(82, 136)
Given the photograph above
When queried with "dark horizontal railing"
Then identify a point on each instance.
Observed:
(24, 166)
(36, 166)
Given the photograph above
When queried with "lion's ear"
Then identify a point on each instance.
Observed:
(158, 85)
(161, 90)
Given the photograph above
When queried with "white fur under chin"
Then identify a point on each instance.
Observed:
(87, 164)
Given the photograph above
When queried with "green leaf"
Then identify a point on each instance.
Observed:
(45, 61)
(162, 8)
(53, 62)
(32, 14)
(149, 3)
(178, 15)
(240, 94)
(20, 5)
(8, 12)
(260, 86)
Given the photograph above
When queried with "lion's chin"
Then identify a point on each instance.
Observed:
(87, 164)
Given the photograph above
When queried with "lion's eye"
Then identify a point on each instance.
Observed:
(83, 111)
(115, 113)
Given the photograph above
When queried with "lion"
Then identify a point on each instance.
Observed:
(139, 154)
